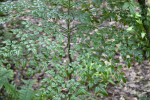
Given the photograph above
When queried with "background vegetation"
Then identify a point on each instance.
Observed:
(68, 49)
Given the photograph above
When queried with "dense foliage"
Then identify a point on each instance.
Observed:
(72, 43)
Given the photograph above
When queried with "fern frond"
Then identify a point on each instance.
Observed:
(4, 76)
(11, 89)
(26, 93)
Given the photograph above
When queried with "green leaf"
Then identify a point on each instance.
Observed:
(129, 64)
(126, 5)
(130, 29)
(143, 34)
(124, 79)
(97, 90)
(104, 92)
(147, 53)
(111, 81)
(23, 62)
(74, 98)
(132, 10)
(91, 84)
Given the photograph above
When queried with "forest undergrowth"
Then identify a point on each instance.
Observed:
(73, 49)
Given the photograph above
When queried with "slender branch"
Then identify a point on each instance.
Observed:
(69, 37)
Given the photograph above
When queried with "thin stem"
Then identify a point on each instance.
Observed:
(69, 37)
(69, 41)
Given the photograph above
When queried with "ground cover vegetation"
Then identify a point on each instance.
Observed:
(66, 49)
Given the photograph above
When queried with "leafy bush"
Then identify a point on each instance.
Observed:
(73, 57)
